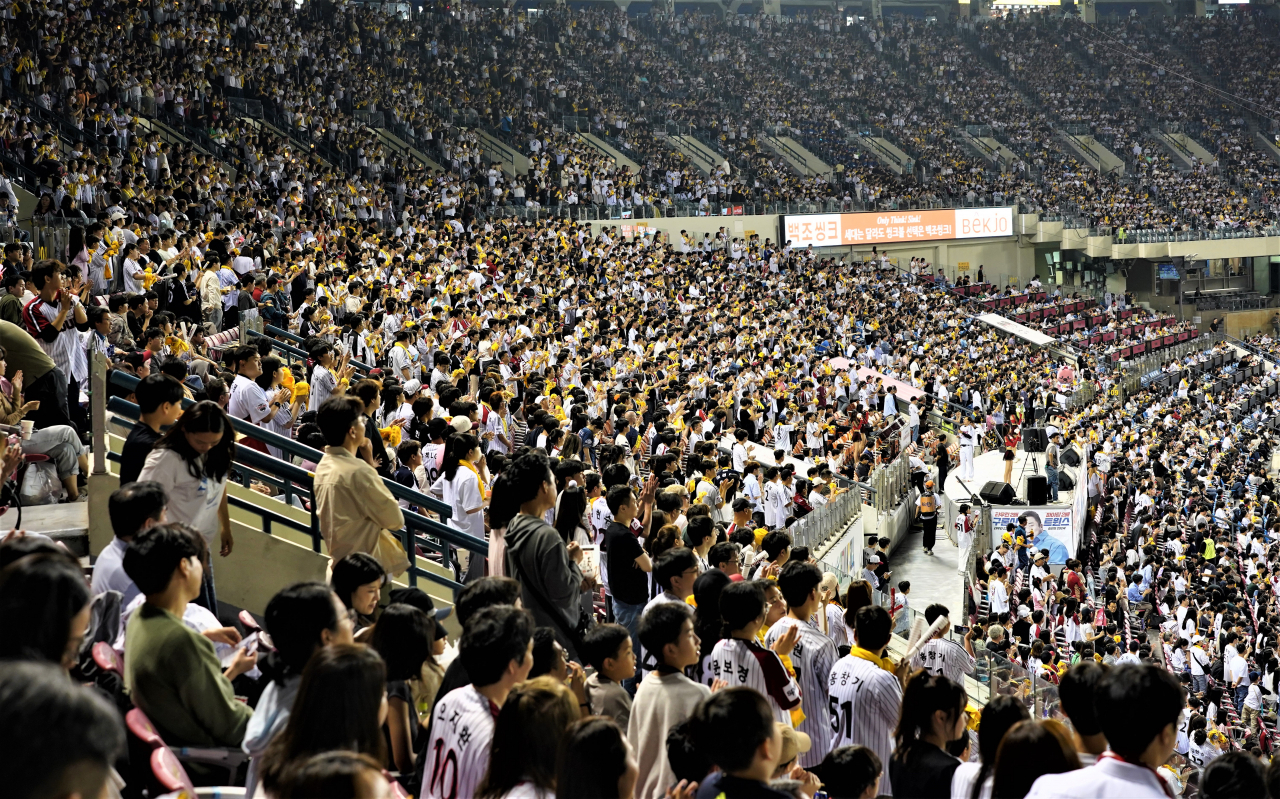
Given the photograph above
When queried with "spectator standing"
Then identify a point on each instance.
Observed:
(356, 511)
(191, 462)
(547, 568)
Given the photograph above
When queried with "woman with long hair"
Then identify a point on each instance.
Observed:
(707, 622)
(301, 619)
(405, 638)
(44, 607)
(856, 597)
(933, 715)
(571, 515)
(461, 487)
(1030, 750)
(526, 740)
(357, 579)
(596, 762)
(191, 462)
(973, 780)
(341, 704)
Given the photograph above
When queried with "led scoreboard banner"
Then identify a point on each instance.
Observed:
(896, 227)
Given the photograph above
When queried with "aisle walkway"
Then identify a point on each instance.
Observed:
(934, 578)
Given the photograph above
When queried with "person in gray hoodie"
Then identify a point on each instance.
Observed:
(301, 619)
(546, 566)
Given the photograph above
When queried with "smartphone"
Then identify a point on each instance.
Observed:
(961, 628)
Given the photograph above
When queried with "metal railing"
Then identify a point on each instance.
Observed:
(819, 525)
(420, 532)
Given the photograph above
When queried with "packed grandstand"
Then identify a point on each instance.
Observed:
(411, 319)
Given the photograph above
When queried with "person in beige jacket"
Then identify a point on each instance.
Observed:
(354, 508)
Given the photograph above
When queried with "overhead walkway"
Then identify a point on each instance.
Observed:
(1266, 145)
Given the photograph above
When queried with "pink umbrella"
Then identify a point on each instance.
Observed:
(840, 363)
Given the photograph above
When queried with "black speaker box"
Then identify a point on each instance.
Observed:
(1071, 457)
(1037, 490)
(997, 493)
(1034, 439)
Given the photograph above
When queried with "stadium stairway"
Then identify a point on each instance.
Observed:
(513, 162)
(886, 153)
(805, 163)
(1266, 145)
(609, 150)
(701, 154)
(1088, 150)
(395, 143)
(1184, 150)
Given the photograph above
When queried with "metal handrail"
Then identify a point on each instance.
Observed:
(294, 449)
(275, 331)
(418, 530)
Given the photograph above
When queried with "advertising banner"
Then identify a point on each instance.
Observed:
(1047, 527)
(896, 227)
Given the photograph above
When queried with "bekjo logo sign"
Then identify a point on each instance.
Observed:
(896, 227)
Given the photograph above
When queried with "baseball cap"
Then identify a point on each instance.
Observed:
(1024, 612)
(874, 559)
(740, 504)
(461, 423)
(412, 387)
(794, 742)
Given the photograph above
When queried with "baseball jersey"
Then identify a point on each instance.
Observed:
(945, 658)
(864, 702)
(458, 752)
(811, 660)
(747, 663)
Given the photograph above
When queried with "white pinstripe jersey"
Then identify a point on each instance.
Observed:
(747, 664)
(458, 752)
(864, 701)
(946, 658)
(811, 660)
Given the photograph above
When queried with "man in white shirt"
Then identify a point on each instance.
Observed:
(1144, 704)
(133, 508)
(998, 593)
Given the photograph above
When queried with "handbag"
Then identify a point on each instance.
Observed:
(574, 636)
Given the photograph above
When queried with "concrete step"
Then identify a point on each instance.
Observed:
(513, 161)
(67, 523)
(701, 155)
(396, 143)
(803, 161)
(603, 146)
(1093, 154)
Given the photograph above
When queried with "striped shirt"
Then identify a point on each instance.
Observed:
(458, 752)
(865, 701)
(945, 658)
(811, 660)
(746, 663)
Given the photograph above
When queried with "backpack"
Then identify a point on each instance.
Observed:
(1215, 669)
